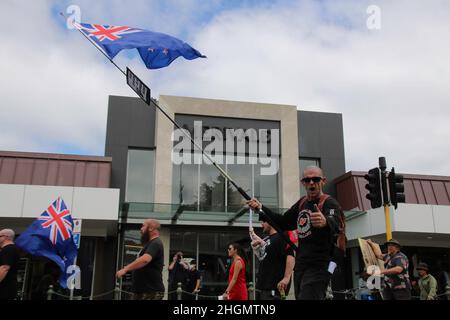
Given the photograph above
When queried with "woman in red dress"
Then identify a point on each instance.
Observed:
(237, 287)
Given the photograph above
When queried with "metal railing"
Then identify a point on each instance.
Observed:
(349, 294)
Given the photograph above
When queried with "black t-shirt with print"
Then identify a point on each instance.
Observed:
(315, 245)
(149, 278)
(9, 255)
(272, 263)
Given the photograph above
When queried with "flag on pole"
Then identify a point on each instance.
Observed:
(157, 50)
(51, 236)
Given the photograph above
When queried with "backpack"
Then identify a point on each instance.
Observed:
(341, 239)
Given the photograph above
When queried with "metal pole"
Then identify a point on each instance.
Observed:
(95, 45)
(49, 292)
(179, 291)
(387, 217)
(224, 174)
(386, 204)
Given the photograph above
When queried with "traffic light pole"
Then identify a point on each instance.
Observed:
(378, 191)
(387, 217)
(386, 203)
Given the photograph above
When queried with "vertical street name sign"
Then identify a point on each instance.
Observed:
(138, 86)
(77, 232)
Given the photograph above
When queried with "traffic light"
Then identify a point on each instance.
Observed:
(396, 188)
(374, 187)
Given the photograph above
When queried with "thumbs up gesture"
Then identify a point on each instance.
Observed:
(318, 220)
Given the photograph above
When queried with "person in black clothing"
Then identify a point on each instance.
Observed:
(276, 263)
(316, 229)
(9, 263)
(193, 281)
(50, 278)
(147, 281)
(178, 273)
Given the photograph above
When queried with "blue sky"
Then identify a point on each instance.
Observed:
(317, 55)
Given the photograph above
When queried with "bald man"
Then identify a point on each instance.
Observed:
(315, 217)
(9, 263)
(147, 268)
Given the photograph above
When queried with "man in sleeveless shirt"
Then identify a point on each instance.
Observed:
(316, 228)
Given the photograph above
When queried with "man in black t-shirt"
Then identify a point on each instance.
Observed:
(9, 263)
(276, 263)
(147, 269)
(193, 281)
(178, 273)
(317, 229)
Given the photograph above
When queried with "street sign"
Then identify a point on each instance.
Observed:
(77, 232)
(76, 226)
(138, 86)
(76, 239)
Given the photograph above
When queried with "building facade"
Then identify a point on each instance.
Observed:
(30, 182)
(421, 224)
(161, 174)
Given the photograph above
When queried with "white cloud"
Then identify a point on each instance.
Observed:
(391, 85)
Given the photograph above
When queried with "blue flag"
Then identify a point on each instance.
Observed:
(157, 50)
(51, 236)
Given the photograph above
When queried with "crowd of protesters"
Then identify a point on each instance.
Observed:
(302, 247)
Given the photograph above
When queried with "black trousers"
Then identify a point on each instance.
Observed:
(311, 282)
(396, 294)
(267, 295)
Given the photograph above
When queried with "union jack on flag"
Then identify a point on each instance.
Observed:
(57, 217)
(101, 32)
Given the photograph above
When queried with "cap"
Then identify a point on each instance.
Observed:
(422, 266)
(394, 242)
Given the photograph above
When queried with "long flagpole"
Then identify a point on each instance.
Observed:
(224, 174)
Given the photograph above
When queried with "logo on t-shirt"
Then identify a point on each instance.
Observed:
(304, 224)
(262, 253)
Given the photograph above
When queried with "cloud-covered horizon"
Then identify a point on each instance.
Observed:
(390, 85)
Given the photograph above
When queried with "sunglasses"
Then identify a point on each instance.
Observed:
(313, 179)
(230, 249)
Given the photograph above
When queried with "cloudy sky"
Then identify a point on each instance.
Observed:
(391, 84)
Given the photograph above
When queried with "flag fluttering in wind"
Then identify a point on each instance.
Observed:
(51, 236)
(157, 50)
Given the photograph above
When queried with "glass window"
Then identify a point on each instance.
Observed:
(131, 247)
(185, 185)
(211, 189)
(303, 164)
(203, 187)
(266, 186)
(242, 173)
(140, 176)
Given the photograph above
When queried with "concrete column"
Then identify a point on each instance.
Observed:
(165, 238)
